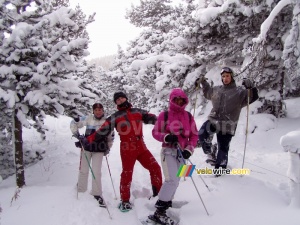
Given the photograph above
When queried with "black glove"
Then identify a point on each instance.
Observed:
(186, 154)
(77, 135)
(84, 141)
(248, 84)
(199, 80)
(77, 144)
(81, 138)
(171, 138)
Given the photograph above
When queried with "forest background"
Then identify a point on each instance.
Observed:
(44, 71)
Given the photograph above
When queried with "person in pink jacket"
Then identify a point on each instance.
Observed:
(176, 129)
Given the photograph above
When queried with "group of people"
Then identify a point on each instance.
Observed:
(175, 128)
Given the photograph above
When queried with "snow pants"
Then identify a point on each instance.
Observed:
(85, 160)
(170, 165)
(206, 133)
(132, 151)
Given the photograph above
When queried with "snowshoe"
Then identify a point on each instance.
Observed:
(125, 206)
(100, 201)
(161, 218)
(211, 162)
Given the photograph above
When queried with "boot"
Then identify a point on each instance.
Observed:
(211, 157)
(161, 217)
(100, 201)
(162, 205)
(214, 149)
(125, 206)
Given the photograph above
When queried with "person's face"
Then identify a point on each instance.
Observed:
(98, 112)
(226, 78)
(179, 101)
(120, 100)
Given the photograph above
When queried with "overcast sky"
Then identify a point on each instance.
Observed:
(110, 28)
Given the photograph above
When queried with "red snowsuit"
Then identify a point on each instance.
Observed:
(129, 124)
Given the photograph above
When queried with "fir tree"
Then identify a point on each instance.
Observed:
(39, 59)
(195, 38)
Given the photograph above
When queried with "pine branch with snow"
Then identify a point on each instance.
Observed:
(39, 61)
(205, 37)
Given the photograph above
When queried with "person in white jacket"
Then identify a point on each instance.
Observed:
(92, 153)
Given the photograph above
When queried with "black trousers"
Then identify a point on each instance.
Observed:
(206, 134)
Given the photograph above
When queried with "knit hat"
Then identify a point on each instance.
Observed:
(118, 95)
(97, 105)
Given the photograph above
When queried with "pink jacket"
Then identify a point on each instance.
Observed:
(179, 123)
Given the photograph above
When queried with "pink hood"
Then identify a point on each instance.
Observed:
(179, 123)
(177, 92)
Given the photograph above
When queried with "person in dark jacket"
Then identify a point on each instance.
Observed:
(227, 101)
(92, 154)
(128, 122)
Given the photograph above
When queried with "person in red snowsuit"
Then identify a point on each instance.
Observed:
(128, 122)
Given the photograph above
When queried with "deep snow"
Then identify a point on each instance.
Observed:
(261, 198)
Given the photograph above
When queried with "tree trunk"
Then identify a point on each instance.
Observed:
(18, 146)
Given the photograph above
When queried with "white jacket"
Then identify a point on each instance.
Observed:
(92, 124)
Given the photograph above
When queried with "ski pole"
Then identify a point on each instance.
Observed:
(201, 177)
(93, 175)
(111, 177)
(179, 150)
(79, 171)
(247, 122)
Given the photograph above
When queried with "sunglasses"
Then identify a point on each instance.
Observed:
(226, 69)
(179, 99)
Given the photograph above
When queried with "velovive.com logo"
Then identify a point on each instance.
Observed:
(187, 171)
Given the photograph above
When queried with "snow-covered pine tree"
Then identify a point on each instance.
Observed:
(43, 45)
(272, 64)
(154, 63)
(104, 61)
(6, 153)
(291, 52)
(6, 156)
(206, 35)
(157, 14)
(106, 83)
(124, 78)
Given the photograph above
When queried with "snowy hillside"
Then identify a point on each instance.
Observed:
(260, 198)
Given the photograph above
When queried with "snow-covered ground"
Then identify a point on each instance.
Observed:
(261, 198)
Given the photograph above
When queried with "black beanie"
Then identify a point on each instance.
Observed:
(118, 95)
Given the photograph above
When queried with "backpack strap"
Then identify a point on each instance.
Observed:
(166, 114)
(166, 118)
(190, 116)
